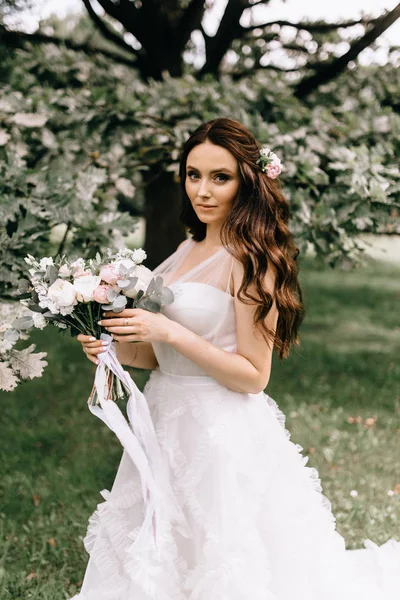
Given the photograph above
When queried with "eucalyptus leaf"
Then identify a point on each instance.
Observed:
(111, 295)
(23, 323)
(151, 287)
(124, 283)
(36, 308)
(159, 283)
(149, 304)
(134, 280)
(167, 295)
(130, 286)
(11, 335)
(120, 302)
(23, 285)
(107, 307)
(51, 274)
(118, 309)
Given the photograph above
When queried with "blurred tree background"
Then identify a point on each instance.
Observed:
(94, 110)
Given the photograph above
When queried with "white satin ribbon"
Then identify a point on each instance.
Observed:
(139, 439)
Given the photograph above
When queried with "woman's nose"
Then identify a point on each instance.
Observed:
(204, 188)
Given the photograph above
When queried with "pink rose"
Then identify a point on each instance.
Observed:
(100, 294)
(273, 170)
(109, 274)
(81, 273)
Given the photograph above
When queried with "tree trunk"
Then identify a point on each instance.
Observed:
(163, 229)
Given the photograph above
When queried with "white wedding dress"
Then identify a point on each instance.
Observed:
(260, 527)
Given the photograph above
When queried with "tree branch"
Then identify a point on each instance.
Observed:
(239, 74)
(17, 39)
(124, 12)
(295, 48)
(190, 20)
(312, 27)
(105, 30)
(228, 30)
(328, 71)
(204, 34)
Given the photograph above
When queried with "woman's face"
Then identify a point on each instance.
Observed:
(212, 179)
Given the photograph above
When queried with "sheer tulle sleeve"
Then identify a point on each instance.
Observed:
(215, 271)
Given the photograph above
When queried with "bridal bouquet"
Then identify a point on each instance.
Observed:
(72, 295)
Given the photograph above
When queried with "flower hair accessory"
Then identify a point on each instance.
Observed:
(269, 163)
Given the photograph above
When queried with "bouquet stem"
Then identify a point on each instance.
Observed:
(114, 390)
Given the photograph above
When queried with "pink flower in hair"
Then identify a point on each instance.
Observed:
(274, 170)
(269, 163)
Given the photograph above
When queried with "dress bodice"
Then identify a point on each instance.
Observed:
(207, 309)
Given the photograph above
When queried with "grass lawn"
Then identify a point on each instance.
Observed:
(340, 391)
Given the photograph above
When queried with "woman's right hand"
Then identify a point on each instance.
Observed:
(92, 347)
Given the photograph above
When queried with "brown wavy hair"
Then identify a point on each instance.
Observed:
(256, 231)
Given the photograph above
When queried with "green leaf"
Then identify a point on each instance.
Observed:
(149, 304)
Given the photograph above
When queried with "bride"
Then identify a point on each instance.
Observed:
(256, 525)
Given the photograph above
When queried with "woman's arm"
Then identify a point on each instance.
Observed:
(139, 355)
(248, 370)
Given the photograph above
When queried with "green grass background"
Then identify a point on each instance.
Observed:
(56, 457)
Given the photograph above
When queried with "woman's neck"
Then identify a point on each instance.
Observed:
(212, 238)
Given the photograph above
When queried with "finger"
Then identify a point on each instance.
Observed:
(127, 312)
(113, 322)
(95, 344)
(95, 351)
(126, 338)
(116, 321)
(85, 338)
(125, 329)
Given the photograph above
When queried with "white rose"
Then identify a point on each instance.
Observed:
(45, 262)
(62, 293)
(38, 320)
(85, 286)
(79, 263)
(144, 277)
(64, 270)
(139, 255)
(126, 262)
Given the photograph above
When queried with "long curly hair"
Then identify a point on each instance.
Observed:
(255, 231)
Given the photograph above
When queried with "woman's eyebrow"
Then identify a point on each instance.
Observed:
(214, 170)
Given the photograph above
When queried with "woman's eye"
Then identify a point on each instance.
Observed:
(222, 177)
(191, 174)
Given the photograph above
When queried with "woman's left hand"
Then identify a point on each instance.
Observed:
(137, 325)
